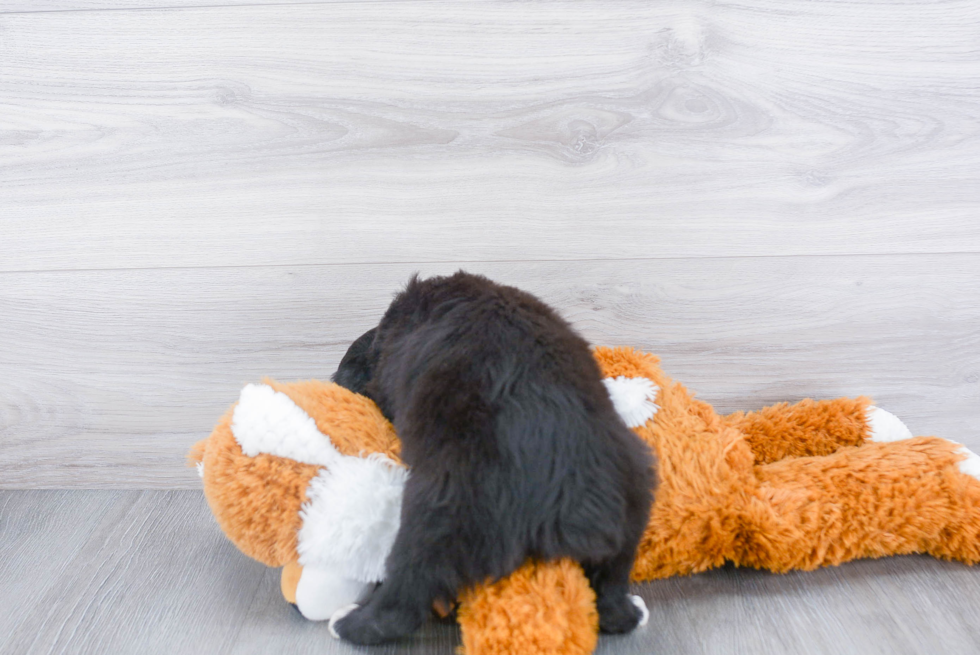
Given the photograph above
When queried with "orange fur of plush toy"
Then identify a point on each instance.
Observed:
(543, 607)
(792, 486)
(788, 487)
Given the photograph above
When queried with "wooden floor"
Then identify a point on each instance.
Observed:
(779, 197)
(149, 572)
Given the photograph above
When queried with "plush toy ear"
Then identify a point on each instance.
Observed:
(543, 608)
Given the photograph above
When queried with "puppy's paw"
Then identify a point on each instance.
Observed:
(368, 627)
(337, 616)
(644, 612)
(622, 614)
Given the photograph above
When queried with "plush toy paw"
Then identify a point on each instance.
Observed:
(885, 426)
(368, 626)
(622, 614)
(321, 593)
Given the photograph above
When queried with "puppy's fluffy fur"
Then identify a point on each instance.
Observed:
(515, 450)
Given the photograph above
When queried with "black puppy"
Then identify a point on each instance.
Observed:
(514, 446)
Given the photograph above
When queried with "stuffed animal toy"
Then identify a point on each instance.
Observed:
(306, 476)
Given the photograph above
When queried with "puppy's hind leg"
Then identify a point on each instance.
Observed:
(395, 609)
(417, 574)
(619, 611)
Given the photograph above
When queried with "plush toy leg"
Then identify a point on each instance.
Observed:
(911, 496)
(540, 609)
(318, 593)
(808, 428)
(290, 580)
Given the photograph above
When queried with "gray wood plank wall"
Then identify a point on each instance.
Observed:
(779, 197)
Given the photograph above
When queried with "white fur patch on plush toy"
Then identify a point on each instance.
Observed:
(321, 592)
(266, 421)
(886, 427)
(633, 398)
(351, 516)
(353, 506)
(970, 465)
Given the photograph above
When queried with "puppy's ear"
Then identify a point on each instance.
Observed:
(357, 367)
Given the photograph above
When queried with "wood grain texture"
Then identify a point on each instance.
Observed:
(154, 575)
(150, 572)
(40, 534)
(109, 376)
(897, 605)
(441, 131)
(47, 6)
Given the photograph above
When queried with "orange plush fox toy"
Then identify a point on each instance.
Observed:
(306, 476)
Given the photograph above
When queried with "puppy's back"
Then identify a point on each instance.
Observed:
(515, 449)
(522, 409)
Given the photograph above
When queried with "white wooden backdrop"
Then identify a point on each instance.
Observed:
(779, 197)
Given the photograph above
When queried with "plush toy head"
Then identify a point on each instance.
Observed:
(286, 494)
